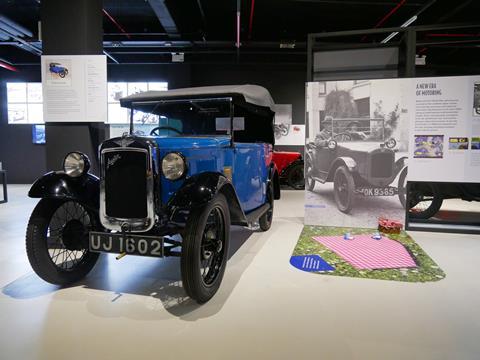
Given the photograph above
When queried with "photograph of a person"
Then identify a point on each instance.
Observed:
(283, 120)
(356, 153)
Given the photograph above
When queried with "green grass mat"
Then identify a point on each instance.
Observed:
(427, 270)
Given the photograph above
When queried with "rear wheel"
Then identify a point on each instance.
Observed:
(425, 201)
(205, 249)
(266, 219)
(296, 177)
(344, 189)
(57, 241)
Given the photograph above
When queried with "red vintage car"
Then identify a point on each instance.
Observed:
(290, 166)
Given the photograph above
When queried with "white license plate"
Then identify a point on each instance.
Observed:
(126, 243)
(383, 191)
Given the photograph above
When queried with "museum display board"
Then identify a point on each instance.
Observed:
(380, 128)
(74, 88)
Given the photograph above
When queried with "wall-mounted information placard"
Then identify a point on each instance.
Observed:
(74, 88)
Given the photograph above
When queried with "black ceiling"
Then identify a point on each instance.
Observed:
(208, 26)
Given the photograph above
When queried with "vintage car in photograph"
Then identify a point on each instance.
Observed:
(357, 157)
(290, 167)
(206, 164)
(426, 198)
(58, 69)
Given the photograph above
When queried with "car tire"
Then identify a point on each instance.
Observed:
(344, 189)
(265, 221)
(45, 253)
(431, 209)
(309, 181)
(201, 280)
(62, 74)
(296, 177)
(402, 187)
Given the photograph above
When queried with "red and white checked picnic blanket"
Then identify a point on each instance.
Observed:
(363, 252)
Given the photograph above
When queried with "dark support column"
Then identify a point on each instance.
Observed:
(411, 51)
(72, 28)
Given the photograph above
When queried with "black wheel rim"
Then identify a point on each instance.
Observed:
(297, 177)
(341, 189)
(212, 248)
(67, 236)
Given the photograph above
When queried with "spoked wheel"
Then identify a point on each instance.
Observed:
(205, 249)
(309, 181)
(344, 189)
(296, 176)
(57, 241)
(425, 201)
(266, 219)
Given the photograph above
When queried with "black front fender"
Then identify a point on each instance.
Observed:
(55, 185)
(200, 189)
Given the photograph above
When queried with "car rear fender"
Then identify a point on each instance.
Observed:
(348, 162)
(58, 185)
(198, 190)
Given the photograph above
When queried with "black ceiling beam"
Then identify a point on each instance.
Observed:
(360, 2)
(391, 29)
(165, 17)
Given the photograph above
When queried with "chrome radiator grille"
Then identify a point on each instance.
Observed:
(126, 192)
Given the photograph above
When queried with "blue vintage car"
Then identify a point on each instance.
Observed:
(58, 69)
(205, 164)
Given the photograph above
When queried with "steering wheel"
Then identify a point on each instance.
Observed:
(156, 130)
(342, 137)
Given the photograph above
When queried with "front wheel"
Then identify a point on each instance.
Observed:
(344, 189)
(309, 181)
(205, 249)
(402, 187)
(57, 241)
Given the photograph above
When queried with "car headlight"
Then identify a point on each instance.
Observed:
(76, 164)
(391, 143)
(173, 166)
(332, 144)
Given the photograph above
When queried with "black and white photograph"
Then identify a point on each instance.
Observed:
(356, 152)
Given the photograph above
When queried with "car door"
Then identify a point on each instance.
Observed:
(249, 174)
(322, 160)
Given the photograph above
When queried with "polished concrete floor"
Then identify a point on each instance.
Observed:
(135, 308)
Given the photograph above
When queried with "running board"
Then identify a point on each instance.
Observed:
(255, 214)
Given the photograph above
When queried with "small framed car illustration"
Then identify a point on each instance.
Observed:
(205, 164)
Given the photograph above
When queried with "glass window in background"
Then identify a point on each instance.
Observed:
(24, 103)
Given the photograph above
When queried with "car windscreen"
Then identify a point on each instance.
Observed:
(195, 117)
